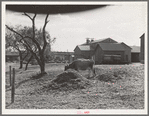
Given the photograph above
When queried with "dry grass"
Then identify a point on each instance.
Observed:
(115, 88)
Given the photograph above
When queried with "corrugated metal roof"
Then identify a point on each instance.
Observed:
(97, 41)
(100, 40)
(125, 45)
(135, 49)
(112, 46)
(84, 47)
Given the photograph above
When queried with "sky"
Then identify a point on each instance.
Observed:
(121, 22)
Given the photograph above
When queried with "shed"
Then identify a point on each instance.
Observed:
(135, 54)
(62, 56)
(111, 53)
(83, 51)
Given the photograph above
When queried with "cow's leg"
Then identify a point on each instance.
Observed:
(89, 71)
(76, 68)
(94, 71)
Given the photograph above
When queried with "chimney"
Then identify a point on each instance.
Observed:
(87, 41)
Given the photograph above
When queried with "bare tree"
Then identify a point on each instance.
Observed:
(34, 47)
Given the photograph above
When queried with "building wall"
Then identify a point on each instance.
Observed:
(86, 54)
(77, 53)
(127, 53)
(142, 49)
(98, 57)
(12, 58)
(115, 53)
(135, 57)
(59, 56)
(81, 54)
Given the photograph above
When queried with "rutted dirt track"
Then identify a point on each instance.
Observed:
(114, 87)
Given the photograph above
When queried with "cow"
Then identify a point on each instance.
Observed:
(81, 64)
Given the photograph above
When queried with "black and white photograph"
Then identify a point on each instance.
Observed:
(74, 57)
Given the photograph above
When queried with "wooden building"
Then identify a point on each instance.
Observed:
(142, 39)
(135, 54)
(62, 56)
(112, 53)
(104, 51)
(84, 51)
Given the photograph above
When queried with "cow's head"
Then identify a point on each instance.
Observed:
(66, 67)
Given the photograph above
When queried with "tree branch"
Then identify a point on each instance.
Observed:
(34, 54)
(13, 30)
(24, 38)
(34, 16)
(27, 15)
(44, 38)
(33, 26)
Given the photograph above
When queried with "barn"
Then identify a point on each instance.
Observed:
(111, 53)
(142, 39)
(104, 51)
(135, 54)
(83, 51)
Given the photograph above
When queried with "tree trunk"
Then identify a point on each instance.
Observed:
(41, 62)
(42, 65)
(21, 60)
(42, 69)
(28, 62)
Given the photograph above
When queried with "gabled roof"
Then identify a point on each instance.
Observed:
(135, 49)
(142, 36)
(125, 45)
(84, 47)
(111, 46)
(98, 41)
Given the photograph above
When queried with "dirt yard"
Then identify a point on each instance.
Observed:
(113, 87)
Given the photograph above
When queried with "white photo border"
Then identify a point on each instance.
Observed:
(68, 111)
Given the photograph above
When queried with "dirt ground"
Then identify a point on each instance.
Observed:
(113, 87)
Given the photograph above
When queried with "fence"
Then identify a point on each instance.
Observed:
(12, 83)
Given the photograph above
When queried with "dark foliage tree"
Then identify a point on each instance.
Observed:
(12, 42)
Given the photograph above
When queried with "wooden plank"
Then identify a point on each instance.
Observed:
(10, 74)
(13, 86)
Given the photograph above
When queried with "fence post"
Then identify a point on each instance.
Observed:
(10, 74)
(13, 86)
